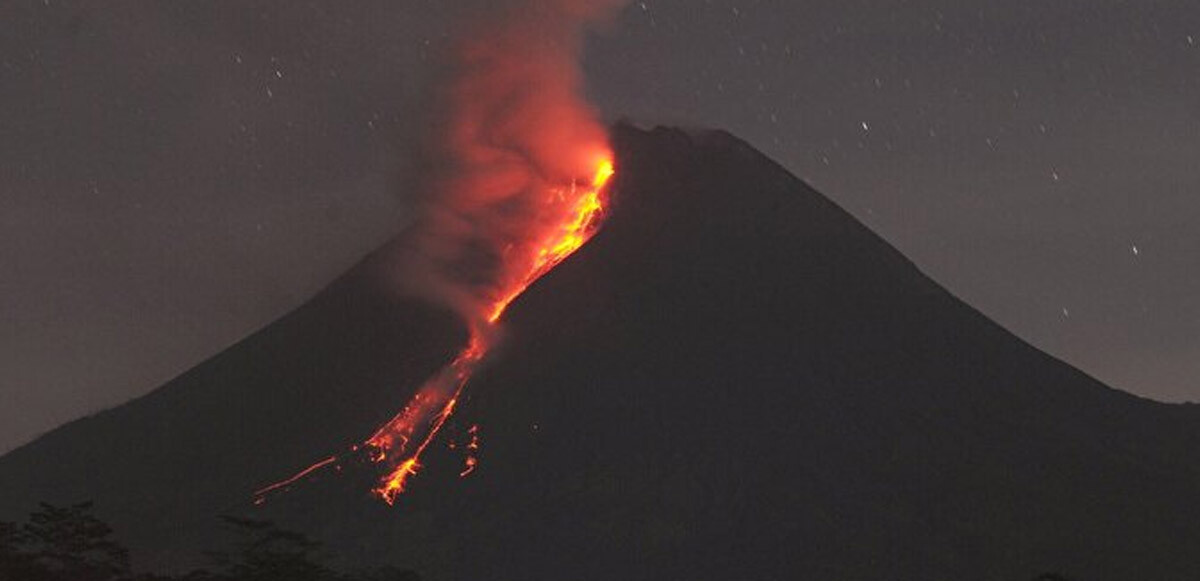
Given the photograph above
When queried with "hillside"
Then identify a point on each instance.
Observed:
(734, 379)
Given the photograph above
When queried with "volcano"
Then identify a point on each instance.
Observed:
(734, 379)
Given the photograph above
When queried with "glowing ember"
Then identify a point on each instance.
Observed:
(572, 216)
(473, 446)
(261, 493)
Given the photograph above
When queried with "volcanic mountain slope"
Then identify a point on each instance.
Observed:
(733, 380)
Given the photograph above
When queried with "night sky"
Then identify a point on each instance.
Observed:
(175, 175)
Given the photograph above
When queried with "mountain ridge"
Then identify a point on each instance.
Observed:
(734, 378)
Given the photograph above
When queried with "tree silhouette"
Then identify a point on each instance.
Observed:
(70, 544)
(266, 552)
(15, 562)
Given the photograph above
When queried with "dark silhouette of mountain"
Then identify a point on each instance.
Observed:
(733, 380)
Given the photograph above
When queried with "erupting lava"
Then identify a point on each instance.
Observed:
(513, 179)
(576, 211)
(572, 215)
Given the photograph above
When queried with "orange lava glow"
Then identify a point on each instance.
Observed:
(261, 493)
(578, 224)
(573, 214)
(583, 206)
(471, 460)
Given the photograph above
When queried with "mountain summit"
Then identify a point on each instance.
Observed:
(734, 379)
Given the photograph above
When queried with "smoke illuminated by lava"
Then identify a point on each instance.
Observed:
(545, 249)
(510, 146)
(515, 172)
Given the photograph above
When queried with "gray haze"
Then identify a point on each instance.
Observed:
(174, 175)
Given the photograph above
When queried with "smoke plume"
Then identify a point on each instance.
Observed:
(509, 128)
(513, 172)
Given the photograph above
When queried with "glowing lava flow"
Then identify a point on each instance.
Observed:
(584, 206)
(574, 215)
(580, 224)
(394, 437)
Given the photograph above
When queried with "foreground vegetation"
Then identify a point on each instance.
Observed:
(70, 544)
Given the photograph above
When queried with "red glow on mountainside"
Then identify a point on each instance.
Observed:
(576, 210)
(261, 493)
(471, 460)
(571, 214)
(509, 180)
(583, 207)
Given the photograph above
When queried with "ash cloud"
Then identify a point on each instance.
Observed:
(507, 124)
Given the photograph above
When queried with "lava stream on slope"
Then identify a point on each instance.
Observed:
(575, 214)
